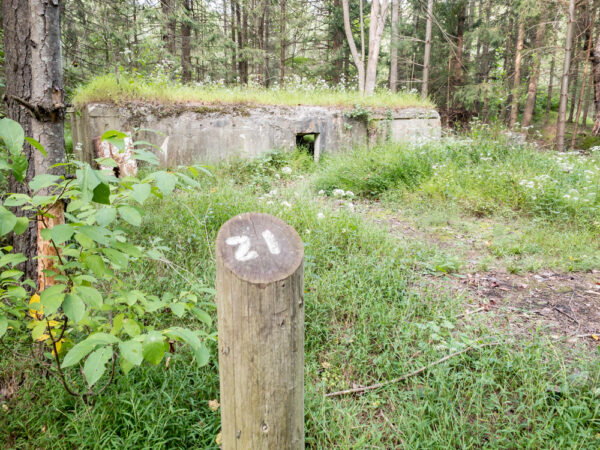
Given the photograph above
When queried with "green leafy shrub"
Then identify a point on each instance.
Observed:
(91, 318)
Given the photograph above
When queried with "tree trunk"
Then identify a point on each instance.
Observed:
(186, 33)
(394, 48)
(282, 44)
(551, 80)
(427, 56)
(514, 111)
(379, 9)
(595, 58)
(33, 72)
(573, 82)
(564, 88)
(586, 105)
(337, 48)
(358, 62)
(485, 62)
(171, 25)
(535, 74)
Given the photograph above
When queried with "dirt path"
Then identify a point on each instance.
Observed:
(563, 305)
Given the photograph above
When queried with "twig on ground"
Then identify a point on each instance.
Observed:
(468, 313)
(567, 315)
(411, 374)
(596, 336)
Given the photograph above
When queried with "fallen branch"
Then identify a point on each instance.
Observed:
(468, 313)
(411, 374)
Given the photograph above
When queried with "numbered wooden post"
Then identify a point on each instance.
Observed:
(260, 303)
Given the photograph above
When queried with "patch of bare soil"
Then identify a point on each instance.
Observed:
(565, 306)
(557, 304)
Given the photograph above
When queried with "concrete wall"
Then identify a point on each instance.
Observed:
(191, 134)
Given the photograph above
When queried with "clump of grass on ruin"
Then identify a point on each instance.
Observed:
(108, 88)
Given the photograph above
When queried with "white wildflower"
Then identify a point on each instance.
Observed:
(286, 170)
(320, 216)
(338, 192)
(286, 204)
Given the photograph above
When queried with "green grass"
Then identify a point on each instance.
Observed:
(371, 315)
(106, 88)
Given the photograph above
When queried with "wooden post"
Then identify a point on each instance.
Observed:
(260, 305)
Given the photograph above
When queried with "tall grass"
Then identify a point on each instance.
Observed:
(107, 88)
(484, 173)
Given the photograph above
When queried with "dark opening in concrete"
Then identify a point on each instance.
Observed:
(308, 141)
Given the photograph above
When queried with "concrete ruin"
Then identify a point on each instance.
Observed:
(198, 133)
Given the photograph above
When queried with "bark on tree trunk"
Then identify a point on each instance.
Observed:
(186, 33)
(337, 48)
(33, 71)
(427, 56)
(171, 25)
(379, 9)
(551, 80)
(573, 82)
(358, 62)
(394, 48)
(514, 111)
(535, 74)
(485, 62)
(595, 58)
(564, 88)
(282, 45)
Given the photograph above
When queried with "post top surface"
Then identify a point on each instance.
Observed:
(259, 248)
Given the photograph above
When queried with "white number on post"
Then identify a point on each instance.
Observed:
(243, 252)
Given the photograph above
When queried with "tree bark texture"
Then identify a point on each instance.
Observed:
(564, 87)
(33, 71)
(394, 48)
(514, 111)
(535, 74)
(427, 56)
(186, 50)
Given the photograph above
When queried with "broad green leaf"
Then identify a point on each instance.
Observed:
(126, 366)
(165, 181)
(154, 347)
(144, 155)
(3, 324)
(131, 327)
(13, 135)
(88, 180)
(21, 225)
(105, 216)
(101, 194)
(107, 162)
(84, 241)
(178, 309)
(117, 324)
(51, 298)
(81, 349)
(118, 259)
(90, 295)
(132, 352)
(7, 221)
(130, 215)
(128, 249)
(12, 258)
(35, 144)
(17, 200)
(140, 192)
(74, 307)
(98, 234)
(202, 316)
(19, 167)
(38, 330)
(43, 180)
(96, 264)
(95, 364)
(189, 337)
(61, 233)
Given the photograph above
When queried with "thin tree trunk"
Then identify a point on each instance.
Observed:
(233, 40)
(485, 62)
(358, 62)
(282, 44)
(394, 48)
(427, 56)
(586, 105)
(186, 33)
(514, 111)
(535, 74)
(551, 80)
(573, 83)
(564, 88)
(588, 51)
(379, 9)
